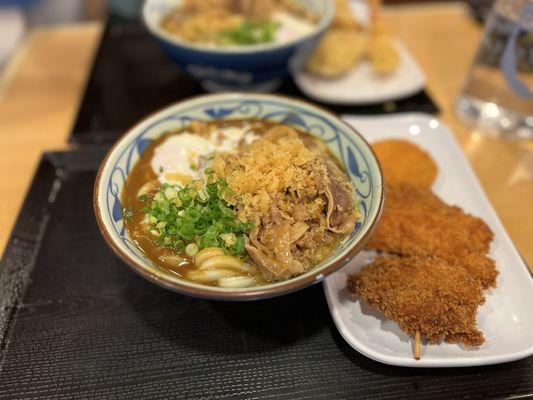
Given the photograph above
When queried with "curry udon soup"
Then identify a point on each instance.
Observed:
(238, 22)
(238, 203)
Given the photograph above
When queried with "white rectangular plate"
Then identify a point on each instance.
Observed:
(506, 317)
(361, 85)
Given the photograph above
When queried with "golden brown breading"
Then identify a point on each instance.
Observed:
(427, 295)
(404, 162)
(417, 223)
(344, 17)
(337, 52)
(381, 50)
(346, 42)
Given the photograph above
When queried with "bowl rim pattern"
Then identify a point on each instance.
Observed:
(266, 291)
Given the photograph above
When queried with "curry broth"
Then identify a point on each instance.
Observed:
(168, 259)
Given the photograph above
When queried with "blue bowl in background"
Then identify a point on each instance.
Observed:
(255, 67)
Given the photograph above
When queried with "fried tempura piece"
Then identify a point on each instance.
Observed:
(426, 295)
(404, 162)
(381, 50)
(417, 223)
(337, 52)
(344, 17)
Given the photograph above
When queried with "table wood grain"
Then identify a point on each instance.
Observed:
(40, 91)
(41, 88)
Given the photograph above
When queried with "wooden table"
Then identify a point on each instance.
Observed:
(41, 89)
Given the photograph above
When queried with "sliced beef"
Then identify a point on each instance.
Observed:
(300, 213)
(270, 249)
(341, 215)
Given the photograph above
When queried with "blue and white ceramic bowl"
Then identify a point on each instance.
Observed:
(257, 67)
(353, 151)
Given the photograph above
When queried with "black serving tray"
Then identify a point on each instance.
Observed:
(77, 323)
(131, 78)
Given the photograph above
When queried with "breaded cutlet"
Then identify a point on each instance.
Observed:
(426, 295)
(404, 162)
(417, 223)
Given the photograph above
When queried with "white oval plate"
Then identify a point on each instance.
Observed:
(361, 85)
(506, 318)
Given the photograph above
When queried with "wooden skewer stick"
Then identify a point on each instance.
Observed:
(417, 346)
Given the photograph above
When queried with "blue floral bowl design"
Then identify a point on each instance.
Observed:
(257, 67)
(345, 143)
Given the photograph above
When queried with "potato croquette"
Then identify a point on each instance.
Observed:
(404, 162)
(337, 52)
(417, 223)
(421, 294)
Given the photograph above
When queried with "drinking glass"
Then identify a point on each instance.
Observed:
(498, 95)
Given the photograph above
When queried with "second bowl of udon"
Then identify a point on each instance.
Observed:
(238, 45)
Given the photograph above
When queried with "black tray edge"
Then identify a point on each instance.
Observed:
(24, 241)
(23, 244)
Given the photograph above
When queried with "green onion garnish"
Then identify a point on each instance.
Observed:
(250, 32)
(195, 216)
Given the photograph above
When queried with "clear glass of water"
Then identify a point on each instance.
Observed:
(498, 95)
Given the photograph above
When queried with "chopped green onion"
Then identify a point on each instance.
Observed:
(250, 32)
(238, 246)
(171, 193)
(191, 249)
(195, 216)
(229, 238)
(159, 197)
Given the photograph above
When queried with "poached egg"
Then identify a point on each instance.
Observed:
(181, 158)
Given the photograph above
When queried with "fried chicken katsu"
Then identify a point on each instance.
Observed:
(417, 223)
(434, 265)
(423, 294)
(404, 162)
